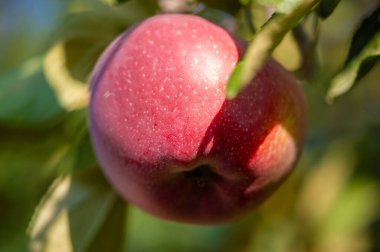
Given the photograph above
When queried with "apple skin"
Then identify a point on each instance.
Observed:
(167, 138)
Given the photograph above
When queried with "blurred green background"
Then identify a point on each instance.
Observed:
(53, 197)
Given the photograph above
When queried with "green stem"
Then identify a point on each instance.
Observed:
(265, 41)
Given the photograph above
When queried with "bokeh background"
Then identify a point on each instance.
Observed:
(53, 197)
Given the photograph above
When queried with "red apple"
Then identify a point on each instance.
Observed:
(168, 139)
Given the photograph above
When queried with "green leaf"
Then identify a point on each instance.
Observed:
(355, 69)
(363, 55)
(326, 7)
(367, 31)
(25, 96)
(264, 43)
(77, 214)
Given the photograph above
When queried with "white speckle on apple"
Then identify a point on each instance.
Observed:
(107, 94)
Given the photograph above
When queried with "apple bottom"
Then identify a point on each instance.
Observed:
(206, 191)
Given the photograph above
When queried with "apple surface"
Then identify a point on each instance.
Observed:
(167, 138)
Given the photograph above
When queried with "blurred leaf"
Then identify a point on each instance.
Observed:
(81, 40)
(326, 7)
(25, 97)
(94, 19)
(77, 214)
(247, 26)
(220, 18)
(353, 211)
(363, 55)
(288, 54)
(25, 28)
(275, 235)
(139, 9)
(111, 234)
(317, 196)
(147, 233)
(306, 36)
(76, 125)
(84, 156)
(114, 2)
(226, 5)
(356, 208)
(72, 94)
(368, 149)
(264, 43)
(286, 197)
(81, 155)
(272, 226)
(281, 6)
(28, 164)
